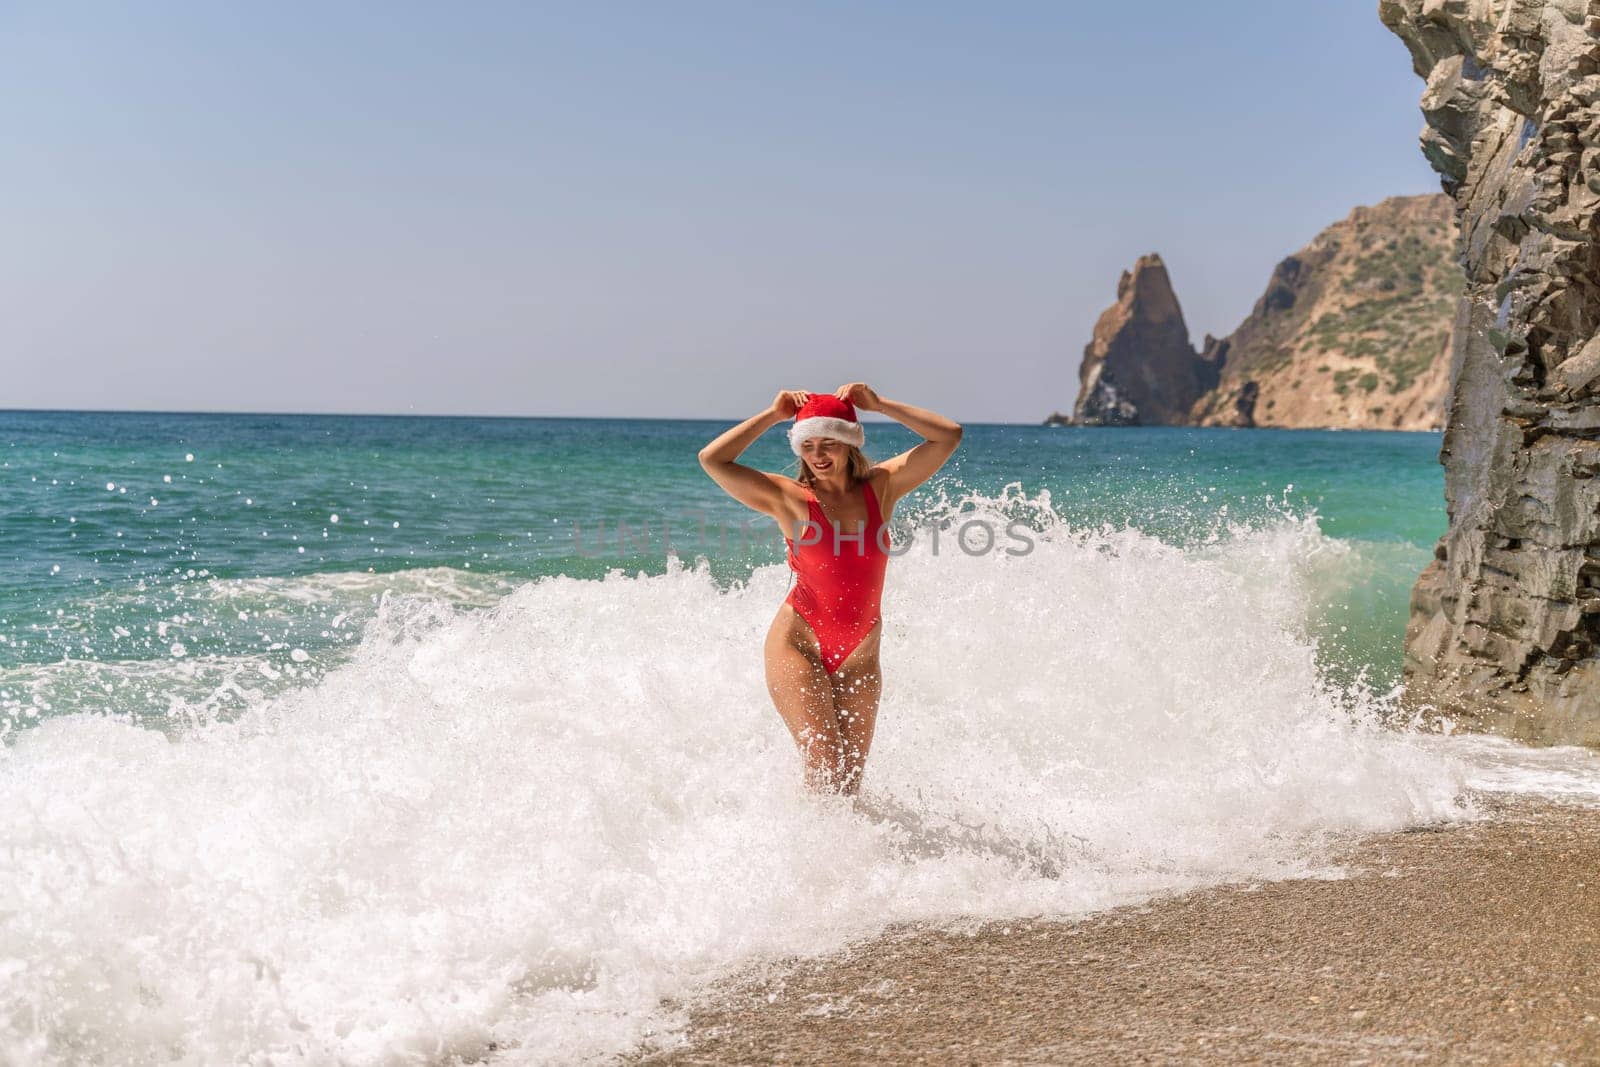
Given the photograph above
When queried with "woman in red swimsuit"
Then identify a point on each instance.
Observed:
(822, 649)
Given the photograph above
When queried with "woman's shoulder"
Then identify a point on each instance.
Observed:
(789, 486)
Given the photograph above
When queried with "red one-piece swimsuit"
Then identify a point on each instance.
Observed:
(838, 579)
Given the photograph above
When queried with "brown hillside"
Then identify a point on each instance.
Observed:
(1353, 330)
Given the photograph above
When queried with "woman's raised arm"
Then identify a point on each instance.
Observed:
(915, 465)
(754, 489)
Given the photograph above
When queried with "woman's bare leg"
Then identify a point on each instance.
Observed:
(801, 691)
(857, 685)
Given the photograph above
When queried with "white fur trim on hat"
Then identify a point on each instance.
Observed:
(851, 433)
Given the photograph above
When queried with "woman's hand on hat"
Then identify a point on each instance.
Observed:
(860, 394)
(788, 401)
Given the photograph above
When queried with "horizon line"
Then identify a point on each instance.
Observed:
(1042, 423)
(418, 415)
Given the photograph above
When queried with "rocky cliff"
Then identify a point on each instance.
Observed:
(1140, 369)
(1352, 331)
(1505, 623)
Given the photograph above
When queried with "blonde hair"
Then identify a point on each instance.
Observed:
(856, 462)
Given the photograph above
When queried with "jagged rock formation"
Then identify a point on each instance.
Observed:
(1352, 331)
(1505, 623)
(1140, 369)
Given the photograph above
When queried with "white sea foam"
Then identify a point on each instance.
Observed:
(166, 693)
(335, 587)
(153, 670)
(528, 825)
(1498, 765)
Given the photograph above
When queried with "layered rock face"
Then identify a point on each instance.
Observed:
(1140, 369)
(1353, 330)
(1505, 623)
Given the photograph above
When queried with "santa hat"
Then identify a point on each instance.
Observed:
(825, 415)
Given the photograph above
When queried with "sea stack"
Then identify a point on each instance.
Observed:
(1351, 332)
(1505, 622)
(1140, 369)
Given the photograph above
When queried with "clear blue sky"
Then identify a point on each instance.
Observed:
(665, 209)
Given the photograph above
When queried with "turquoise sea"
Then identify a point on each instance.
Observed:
(159, 538)
(436, 740)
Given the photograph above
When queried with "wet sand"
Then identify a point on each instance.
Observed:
(1474, 944)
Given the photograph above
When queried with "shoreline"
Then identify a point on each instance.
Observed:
(1474, 943)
